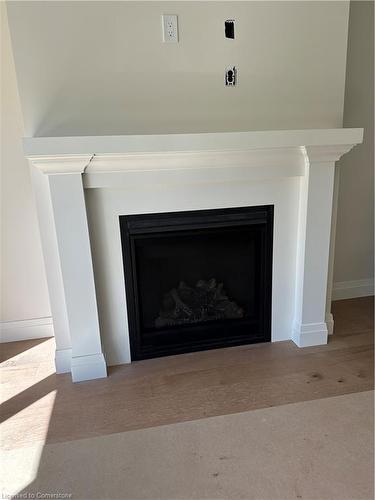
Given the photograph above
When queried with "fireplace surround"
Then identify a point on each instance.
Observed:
(83, 186)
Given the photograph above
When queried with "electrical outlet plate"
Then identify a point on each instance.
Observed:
(231, 76)
(170, 28)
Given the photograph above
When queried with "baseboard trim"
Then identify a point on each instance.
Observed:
(310, 334)
(330, 323)
(88, 367)
(352, 289)
(26, 329)
(63, 360)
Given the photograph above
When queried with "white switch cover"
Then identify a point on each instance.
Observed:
(170, 28)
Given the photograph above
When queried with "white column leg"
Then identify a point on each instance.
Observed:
(68, 202)
(63, 352)
(310, 327)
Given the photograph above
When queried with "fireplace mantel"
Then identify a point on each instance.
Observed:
(212, 170)
(226, 141)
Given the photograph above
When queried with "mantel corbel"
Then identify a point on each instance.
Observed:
(61, 164)
(328, 153)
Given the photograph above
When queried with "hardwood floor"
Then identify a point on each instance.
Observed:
(41, 406)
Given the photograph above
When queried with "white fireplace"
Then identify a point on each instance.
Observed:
(84, 184)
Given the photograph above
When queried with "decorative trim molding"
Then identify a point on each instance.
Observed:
(270, 157)
(310, 334)
(327, 154)
(352, 289)
(61, 164)
(27, 329)
(88, 367)
(283, 152)
(125, 171)
(63, 360)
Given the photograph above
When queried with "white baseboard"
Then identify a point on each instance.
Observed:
(352, 289)
(27, 329)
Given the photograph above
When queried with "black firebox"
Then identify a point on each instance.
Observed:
(197, 280)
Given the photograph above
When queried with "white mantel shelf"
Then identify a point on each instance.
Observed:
(293, 170)
(223, 141)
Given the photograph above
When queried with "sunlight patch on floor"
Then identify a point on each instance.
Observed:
(33, 365)
(19, 466)
(19, 430)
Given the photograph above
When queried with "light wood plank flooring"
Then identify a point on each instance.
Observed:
(41, 406)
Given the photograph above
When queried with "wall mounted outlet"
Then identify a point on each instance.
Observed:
(170, 28)
(231, 76)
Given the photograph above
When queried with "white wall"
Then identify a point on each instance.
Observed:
(24, 293)
(91, 68)
(354, 259)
